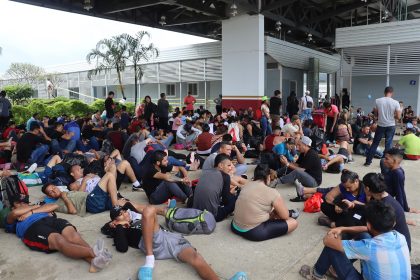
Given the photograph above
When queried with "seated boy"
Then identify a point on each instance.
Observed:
(42, 231)
(411, 144)
(385, 250)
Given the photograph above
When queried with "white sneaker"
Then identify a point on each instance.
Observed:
(299, 187)
(32, 168)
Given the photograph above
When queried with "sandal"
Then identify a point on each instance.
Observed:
(239, 276)
(307, 272)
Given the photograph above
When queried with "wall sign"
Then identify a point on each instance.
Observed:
(413, 82)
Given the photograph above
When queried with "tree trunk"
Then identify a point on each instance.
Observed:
(135, 86)
(119, 80)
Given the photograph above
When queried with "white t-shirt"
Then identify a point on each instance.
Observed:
(290, 129)
(386, 109)
(134, 216)
(306, 99)
(91, 183)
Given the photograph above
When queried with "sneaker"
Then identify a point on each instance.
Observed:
(324, 221)
(145, 273)
(366, 164)
(308, 273)
(136, 189)
(32, 168)
(274, 183)
(298, 199)
(299, 188)
(239, 276)
(119, 196)
(244, 176)
(171, 203)
(294, 213)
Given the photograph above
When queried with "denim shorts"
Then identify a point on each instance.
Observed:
(98, 201)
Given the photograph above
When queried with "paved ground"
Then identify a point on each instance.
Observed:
(227, 253)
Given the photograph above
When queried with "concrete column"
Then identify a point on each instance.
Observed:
(243, 66)
(313, 78)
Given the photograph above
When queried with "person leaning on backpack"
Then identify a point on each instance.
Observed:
(306, 105)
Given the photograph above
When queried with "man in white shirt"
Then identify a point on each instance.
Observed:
(387, 110)
(306, 105)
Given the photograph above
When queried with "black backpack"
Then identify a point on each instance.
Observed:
(318, 139)
(11, 187)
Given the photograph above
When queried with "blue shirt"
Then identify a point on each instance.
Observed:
(395, 181)
(385, 256)
(73, 127)
(281, 149)
(361, 196)
(21, 227)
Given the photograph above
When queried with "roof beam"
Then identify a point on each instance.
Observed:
(199, 6)
(335, 12)
(113, 7)
(274, 5)
(190, 21)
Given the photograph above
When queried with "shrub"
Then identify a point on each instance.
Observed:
(19, 93)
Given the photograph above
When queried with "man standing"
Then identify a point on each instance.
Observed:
(109, 106)
(5, 108)
(387, 110)
(189, 100)
(306, 105)
(163, 112)
(218, 102)
(275, 107)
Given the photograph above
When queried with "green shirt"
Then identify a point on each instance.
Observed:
(79, 201)
(411, 144)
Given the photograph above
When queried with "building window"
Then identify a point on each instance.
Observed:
(193, 88)
(293, 86)
(74, 93)
(170, 90)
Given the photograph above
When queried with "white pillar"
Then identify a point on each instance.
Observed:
(243, 66)
(388, 61)
(418, 97)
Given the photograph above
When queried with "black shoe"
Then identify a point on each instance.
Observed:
(297, 199)
(366, 164)
(244, 176)
(136, 189)
(119, 196)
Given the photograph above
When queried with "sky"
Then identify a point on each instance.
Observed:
(47, 37)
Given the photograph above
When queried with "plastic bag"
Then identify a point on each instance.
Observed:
(313, 204)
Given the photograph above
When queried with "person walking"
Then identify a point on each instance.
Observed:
(306, 105)
(218, 102)
(163, 112)
(387, 110)
(275, 107)
(189, 101)
(265, 117)
(109, 106)
(292, 107)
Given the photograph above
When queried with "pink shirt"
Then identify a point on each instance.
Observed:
(177, 122)
(189, 101)
(331, 111)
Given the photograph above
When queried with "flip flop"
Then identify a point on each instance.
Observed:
(239, 276)
(145, 273)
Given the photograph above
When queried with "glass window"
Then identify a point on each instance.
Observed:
(170, 90)
(193, 88)
(74, 93)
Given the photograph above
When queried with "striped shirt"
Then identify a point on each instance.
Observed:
(385, 256)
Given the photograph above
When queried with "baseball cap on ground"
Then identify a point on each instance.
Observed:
(306, 140)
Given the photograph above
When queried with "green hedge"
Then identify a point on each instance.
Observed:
(58, 106)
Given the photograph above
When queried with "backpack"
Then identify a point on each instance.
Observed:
(75, 159)
(190, 221)
(318, 139)
(308, 104)
(107, 147)
(11, 187)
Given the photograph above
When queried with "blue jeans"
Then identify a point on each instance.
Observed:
(166, 142)
(389, 132)
(92, 144)
(339, 261)
(57, 147)
(306, 114)
(266, 127)
(38, 154)
(363, 149)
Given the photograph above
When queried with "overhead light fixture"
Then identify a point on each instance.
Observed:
(289, 31)
(162, 21)
(233, 9)
(87, 5)
(278, 25)
(364, 1)
(309, 37)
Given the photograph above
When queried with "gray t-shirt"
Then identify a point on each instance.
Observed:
(209, 162)
(207, 194)
(79, 201)
(386, 109)
(137, 151)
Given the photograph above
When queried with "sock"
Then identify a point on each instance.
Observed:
(136, 184)
(150, 261)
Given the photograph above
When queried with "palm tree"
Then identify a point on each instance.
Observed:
(108, 54)
(139, 52)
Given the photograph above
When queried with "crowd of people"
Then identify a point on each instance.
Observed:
(82, 162)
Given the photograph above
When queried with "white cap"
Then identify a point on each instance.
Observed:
(306, 140)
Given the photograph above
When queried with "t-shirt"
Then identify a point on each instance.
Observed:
(204, 141)
(395, 181)
(312, 165)
(385, 256)
(411, 144)
(149, 182)
(290, 128)
(207, 194)
(90, 183)
(189, 100)
(20, 227)
(52, 133)
(27, 144)
(386, 109)
(73, 127)
(177, 123)
(137, 151)
(275, 105)
(109, 107)
(79, 201)
(400, 222)
(163, 108)
(5, 107)
(361, 135)
(281, 149)
(209, 162)
(305, 99)
(269, 142)
(330, 112)
(254, 205)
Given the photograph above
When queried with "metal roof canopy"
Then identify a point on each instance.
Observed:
(298, 18)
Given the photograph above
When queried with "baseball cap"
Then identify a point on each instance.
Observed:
(264, 98)
(306, 140)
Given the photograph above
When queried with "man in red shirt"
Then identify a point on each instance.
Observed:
(331, 111)
(189, 100)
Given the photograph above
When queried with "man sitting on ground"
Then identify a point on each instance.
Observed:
(411, 144)
(230, 150)
(385, 250)
(363, 140)
(41, 231)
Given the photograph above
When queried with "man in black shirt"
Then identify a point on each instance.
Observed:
(60, 140)
(109, 105)
(275, 107)
(32, 148)
(163, 112)
(307, 170)
(363, 141)
(160, 185)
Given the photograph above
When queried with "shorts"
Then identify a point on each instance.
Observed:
(98, 201)
(343, 152)
(167, 245)
(36, 236)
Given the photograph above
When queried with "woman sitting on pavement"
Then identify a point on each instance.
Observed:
(344, 204)
(260, 212)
